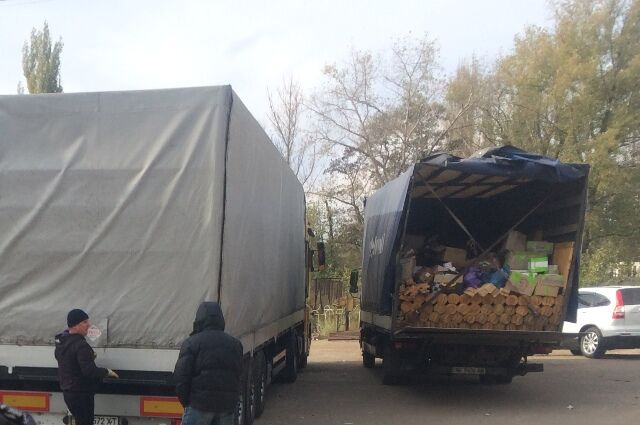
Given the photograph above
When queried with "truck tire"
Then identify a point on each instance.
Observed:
(290, 372)
(250, 400)
(241, 406)
(592, 344)
(391, 367)
(259, 382)
(368, 360)
(303, 357)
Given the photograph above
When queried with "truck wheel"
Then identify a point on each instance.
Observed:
(290, 372)
(239, 414)
(304, 359)
(592, 343)
(250, 401)
(391, 367)
(368, 360)
(259, 382)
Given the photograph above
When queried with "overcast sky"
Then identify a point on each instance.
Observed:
(143, 44)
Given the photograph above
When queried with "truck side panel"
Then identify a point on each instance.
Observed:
(111, 202)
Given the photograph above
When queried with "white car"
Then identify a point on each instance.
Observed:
(609, 316)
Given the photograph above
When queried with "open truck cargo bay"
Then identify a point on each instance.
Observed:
(137, 206)
(484, 198)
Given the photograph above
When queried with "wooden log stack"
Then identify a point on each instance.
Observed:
(487, 307)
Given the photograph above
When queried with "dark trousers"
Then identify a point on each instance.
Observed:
(81, 407)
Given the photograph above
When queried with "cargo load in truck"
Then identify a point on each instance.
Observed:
(485, 248)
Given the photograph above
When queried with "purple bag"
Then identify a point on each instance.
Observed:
(472, 278)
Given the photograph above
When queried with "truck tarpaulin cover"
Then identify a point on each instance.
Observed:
(386, 208)
(137, 206)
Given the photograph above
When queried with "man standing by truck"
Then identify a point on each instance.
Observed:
(208, 370)
(77, 371)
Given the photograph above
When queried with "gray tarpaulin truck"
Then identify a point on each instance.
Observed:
(136, 206)
(427, 306)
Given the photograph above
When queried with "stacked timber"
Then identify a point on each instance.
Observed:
(487, 307)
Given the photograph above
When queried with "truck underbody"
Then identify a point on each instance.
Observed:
(495, 356)
(148, 397)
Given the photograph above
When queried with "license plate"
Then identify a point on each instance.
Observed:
(468, 370)
(105, 420)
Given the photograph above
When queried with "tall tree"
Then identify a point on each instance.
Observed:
(41, 62)
(572, 93)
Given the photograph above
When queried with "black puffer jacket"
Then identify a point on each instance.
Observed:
(77, 370)
(209, 366)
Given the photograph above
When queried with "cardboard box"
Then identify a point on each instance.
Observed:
(540, 247)
(539, 264)
(523, 282)
(554, 269)
(550, 279)
(455, 256)
(515, 241)
(519, 260)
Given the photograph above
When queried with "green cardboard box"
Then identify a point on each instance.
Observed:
(539, 264)
(519, 260)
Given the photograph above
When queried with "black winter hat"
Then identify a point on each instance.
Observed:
(76, 316)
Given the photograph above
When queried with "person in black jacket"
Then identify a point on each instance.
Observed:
(77, 371)
(208, 370)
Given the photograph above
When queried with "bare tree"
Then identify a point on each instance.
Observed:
(388, 113)
(286, 110)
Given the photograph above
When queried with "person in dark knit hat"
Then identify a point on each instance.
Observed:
(77, 371)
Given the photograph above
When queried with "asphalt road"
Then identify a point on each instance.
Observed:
(336, 389)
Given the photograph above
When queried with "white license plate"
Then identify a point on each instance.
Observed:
(105, 420)
(468, 370)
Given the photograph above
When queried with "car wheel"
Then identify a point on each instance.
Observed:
(592, 343)
(576, 352)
